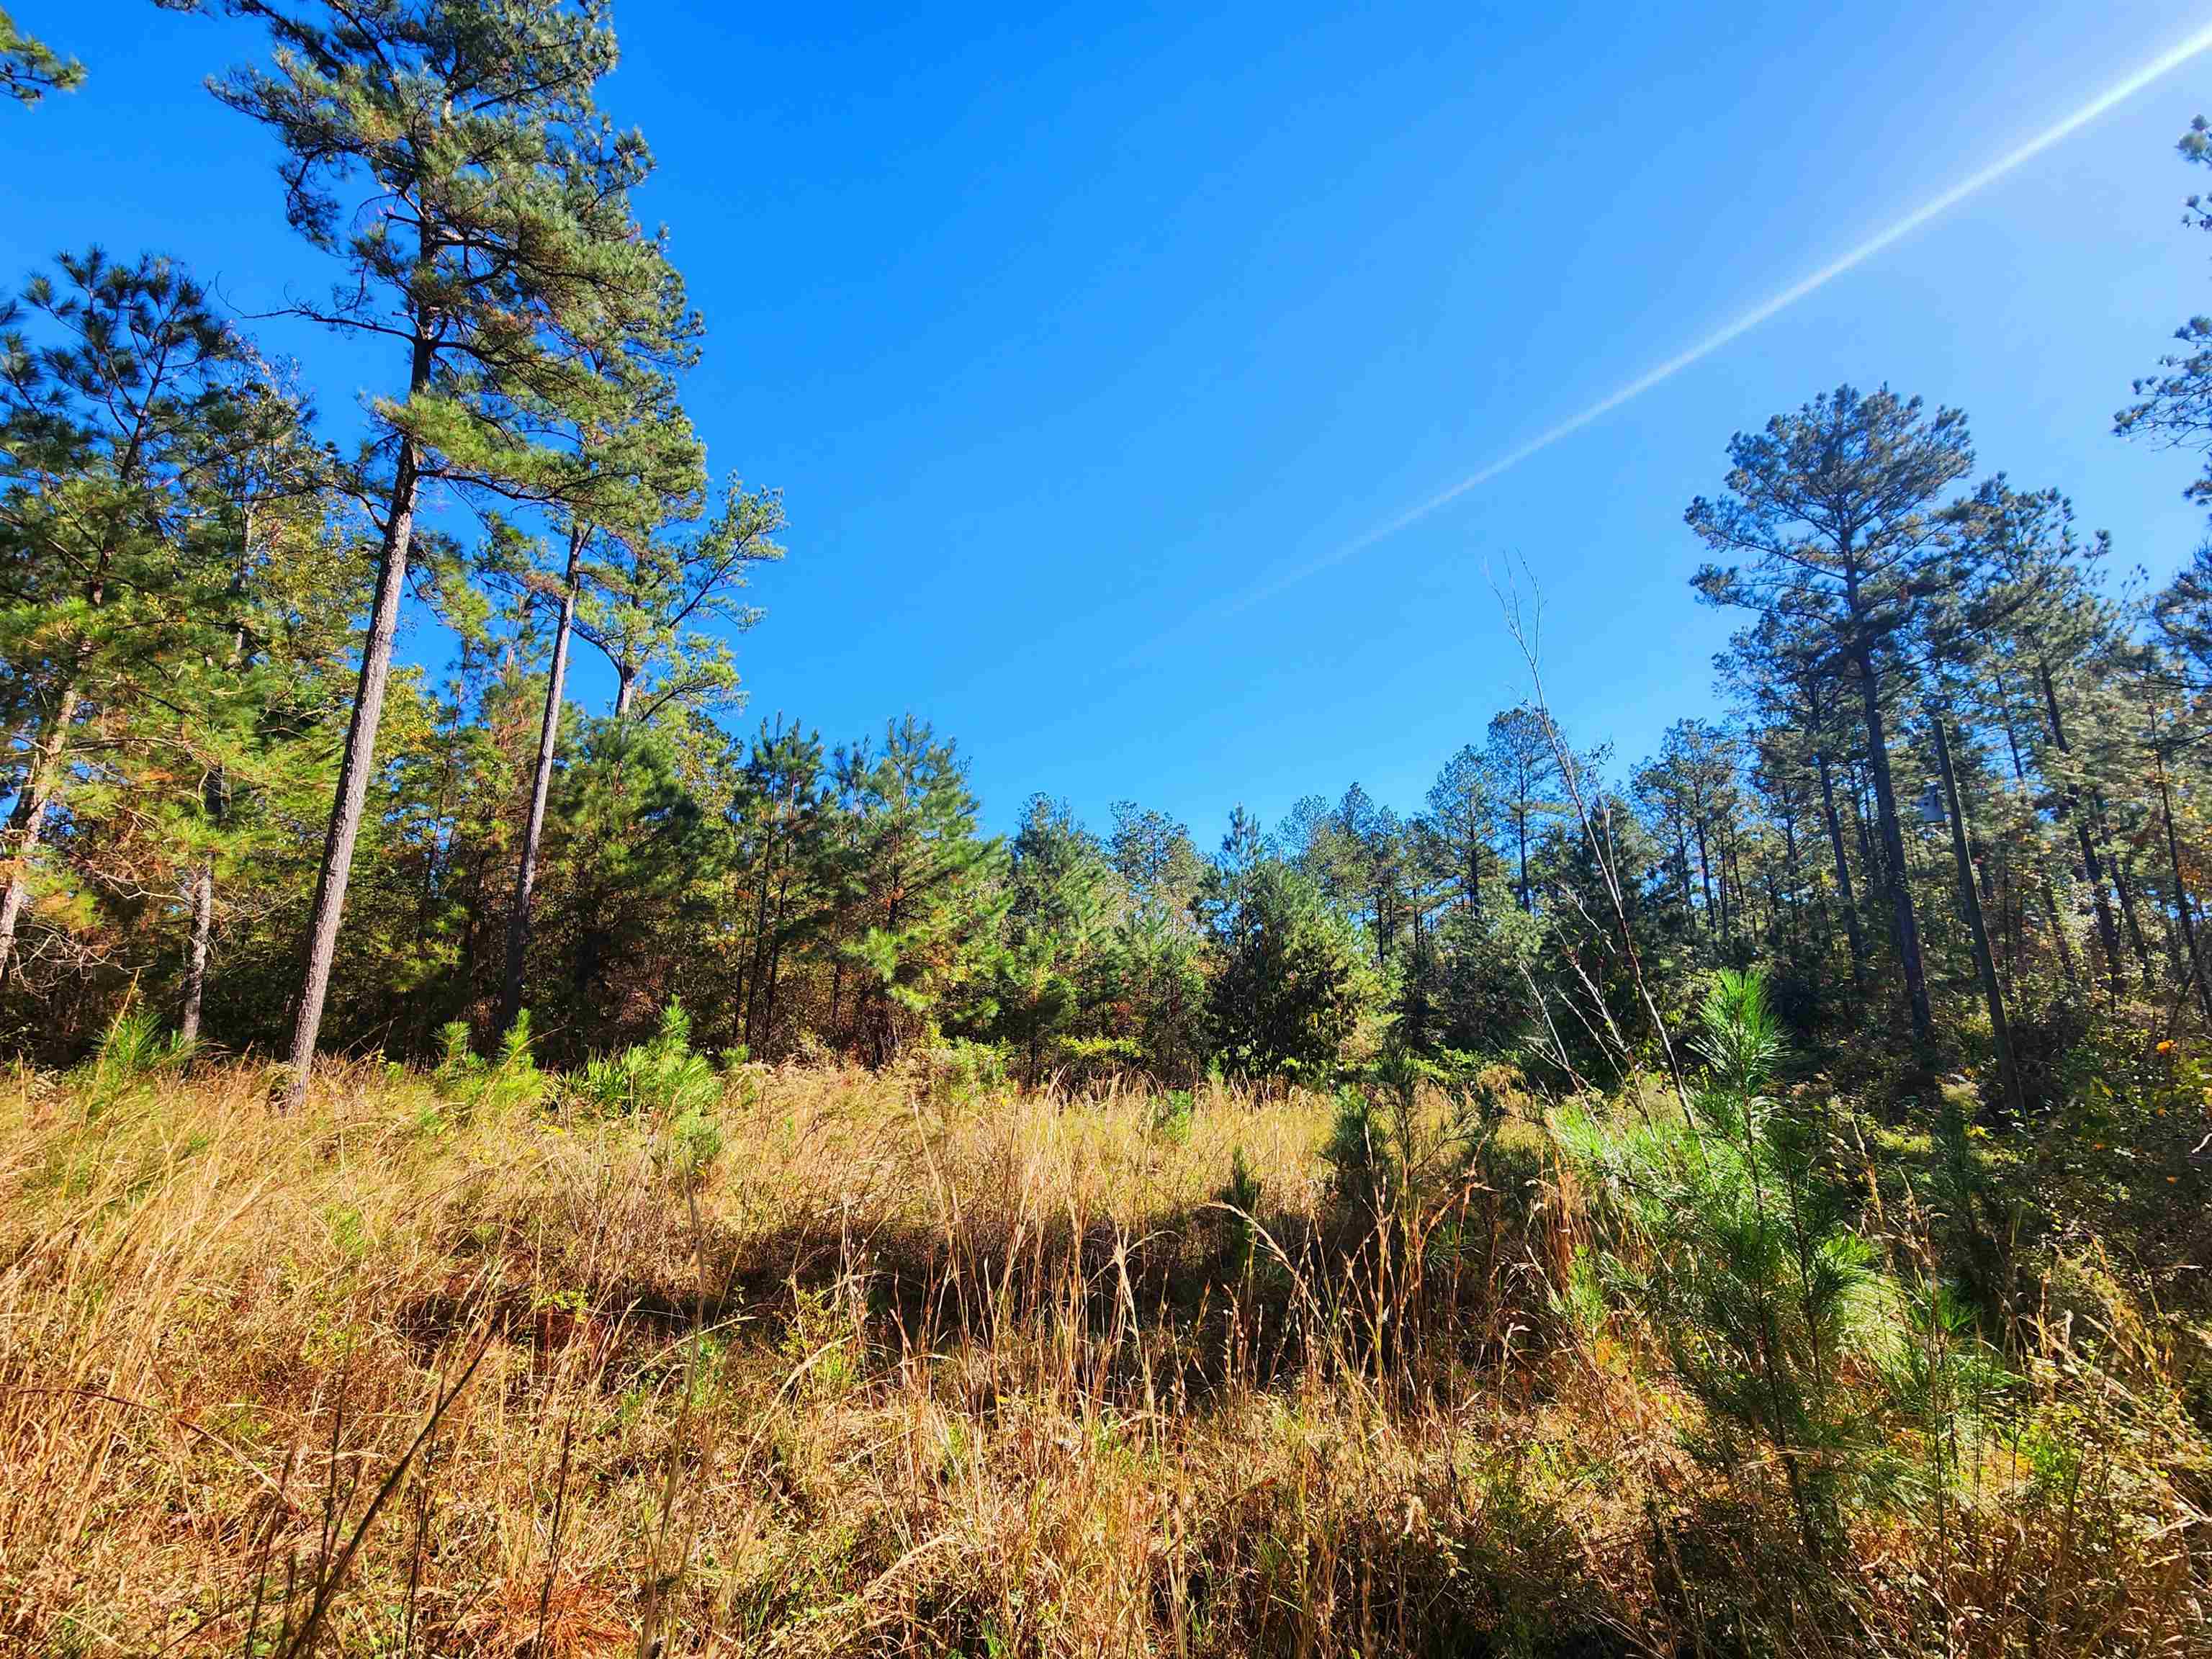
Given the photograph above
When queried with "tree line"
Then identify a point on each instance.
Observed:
(1959, 799)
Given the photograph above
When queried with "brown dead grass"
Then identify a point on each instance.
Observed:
(909, 1373)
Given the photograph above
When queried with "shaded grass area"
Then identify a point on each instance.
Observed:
(906, 1366)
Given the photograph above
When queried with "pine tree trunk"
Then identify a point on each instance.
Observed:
(1850, 900)
(196, 954)
(2066, 969)
(2121, 886)
(2199, 970)
(2177, 956)
(1528, 900)
(541, 784)
(1705, 874)
(757, 978)
(776, 958)
(1903, 924)
(625, 689)
(2108, 932)
(215, 797)
(27, 827)
(215, 801)
(359, 760)
(2012, 736)
(1782, 885)
(1726, 893)
(1863, 816)
(1970, 900)
(2047, 891)
(2014, 915)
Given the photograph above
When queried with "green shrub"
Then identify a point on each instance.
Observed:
(662, 1078)
(1172, 1113)
(1351, 1151)
(1737, 1249)
(1404, 1130)
(1947, 1383)
(690, 1146)
(509, 1081)
(134, 1049)
(1241, 1197)
(669, 1083)
(1086, 1060)
(956, 1072)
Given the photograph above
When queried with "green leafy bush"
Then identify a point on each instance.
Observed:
(671, 1084)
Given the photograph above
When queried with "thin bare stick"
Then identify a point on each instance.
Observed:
(1523, 620)
(326, 1589)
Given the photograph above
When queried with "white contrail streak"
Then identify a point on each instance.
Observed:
(2164, 63)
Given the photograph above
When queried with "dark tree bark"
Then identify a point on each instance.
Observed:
(1521, 827)
(2121, 885)
(2045, 889)
(1862, 813)
(215, 794)
(1705, 874)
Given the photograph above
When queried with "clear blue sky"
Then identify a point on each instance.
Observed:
(1065, 332)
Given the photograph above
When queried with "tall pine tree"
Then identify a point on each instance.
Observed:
(450, 154)
(1833, 509)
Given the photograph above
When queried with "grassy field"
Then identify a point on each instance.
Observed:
(811, 1361)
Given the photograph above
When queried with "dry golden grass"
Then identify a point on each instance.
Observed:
(908, 1371)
